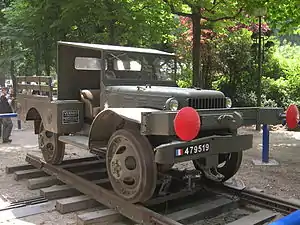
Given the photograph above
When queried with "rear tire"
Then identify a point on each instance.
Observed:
(229, 164)
(52, 149)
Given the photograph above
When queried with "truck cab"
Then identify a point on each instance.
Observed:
(125, 77)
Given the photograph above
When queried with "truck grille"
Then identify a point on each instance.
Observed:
(207, 103)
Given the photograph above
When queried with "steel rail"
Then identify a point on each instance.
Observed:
(268, 201)
(24, 202)
(257, 198)
(135, 212)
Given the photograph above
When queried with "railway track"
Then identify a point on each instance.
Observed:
(81, 184)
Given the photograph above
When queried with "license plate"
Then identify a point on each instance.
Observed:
(192, 150)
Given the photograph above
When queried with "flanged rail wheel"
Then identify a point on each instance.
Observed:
(130, 166)
(52, 149)
(228, 166)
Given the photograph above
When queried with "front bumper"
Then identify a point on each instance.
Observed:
(181, 151)
(162, 122)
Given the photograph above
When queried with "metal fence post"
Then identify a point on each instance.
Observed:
(266, 145)
(19, 124)
(265, 155)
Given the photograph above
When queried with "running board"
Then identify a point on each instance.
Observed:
(76, 140)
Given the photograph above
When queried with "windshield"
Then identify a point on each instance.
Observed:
(133, 66)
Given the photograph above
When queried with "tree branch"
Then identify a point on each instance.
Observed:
(188, 3)
(176, 12)
(225, 17)
(143, 8)
(215, 4)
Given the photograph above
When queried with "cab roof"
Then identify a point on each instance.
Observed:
(115, 48)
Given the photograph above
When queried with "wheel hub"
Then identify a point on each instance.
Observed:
(125, 169)
(52, 150)
(47, 144)
(41, 140)
(116, 168)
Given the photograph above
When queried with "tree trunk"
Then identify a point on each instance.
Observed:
(47, 58)
(12, 70)
(47, 66)
(2, 75)
(37, 59)
(207, 70)
(197, 75)
(112, 36)
(111, 7)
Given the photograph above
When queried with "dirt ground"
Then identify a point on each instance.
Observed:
(281, 180)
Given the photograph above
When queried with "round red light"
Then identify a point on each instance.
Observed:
(187, 124)
(292, 116)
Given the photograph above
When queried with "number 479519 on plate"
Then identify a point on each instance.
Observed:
(192, 150)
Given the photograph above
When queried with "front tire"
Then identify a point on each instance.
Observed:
(130, 166)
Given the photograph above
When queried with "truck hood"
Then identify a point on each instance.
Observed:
(163, 91)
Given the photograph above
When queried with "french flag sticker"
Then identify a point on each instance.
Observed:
(179, 152)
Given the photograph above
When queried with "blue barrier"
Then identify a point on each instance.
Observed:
(265, 145)
(7, 115)
(291, 219)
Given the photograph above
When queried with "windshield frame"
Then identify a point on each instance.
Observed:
(138, 56)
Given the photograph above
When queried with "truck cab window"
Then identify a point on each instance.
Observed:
(127, 65)
(86, 63)
(144, 67)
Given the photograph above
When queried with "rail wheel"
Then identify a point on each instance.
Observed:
(130, 166)
(228, 166)
(52, 149)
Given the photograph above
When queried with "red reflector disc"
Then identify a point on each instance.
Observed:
(292, 116)
(187, 124)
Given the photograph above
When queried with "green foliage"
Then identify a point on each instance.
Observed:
(184, 83)
(276, 89)
(123, 22)
(288, 58)
(29, 30)
(36, 25)
(283, 91)
(235, 62)
(236, 65)
(286, 89)
(284, 15)
(281, 80)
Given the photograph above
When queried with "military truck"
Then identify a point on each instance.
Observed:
(123, 104)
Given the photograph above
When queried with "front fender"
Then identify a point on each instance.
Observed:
(109, 120)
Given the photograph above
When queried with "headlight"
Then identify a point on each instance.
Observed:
(172, 104)
(228, 102)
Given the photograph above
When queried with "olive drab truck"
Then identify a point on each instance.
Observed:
(124, 105)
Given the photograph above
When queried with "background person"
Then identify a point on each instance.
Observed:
(6, 122)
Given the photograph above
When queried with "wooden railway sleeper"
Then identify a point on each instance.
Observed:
(135, 212)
